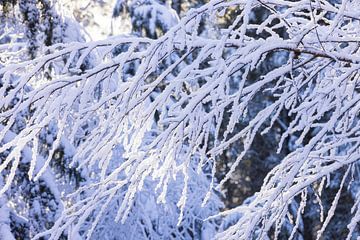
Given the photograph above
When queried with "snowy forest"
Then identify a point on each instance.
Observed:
(180, 119)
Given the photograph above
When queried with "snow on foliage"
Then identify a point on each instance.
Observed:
(167, 114)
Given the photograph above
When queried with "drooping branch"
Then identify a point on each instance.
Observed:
(182, 80)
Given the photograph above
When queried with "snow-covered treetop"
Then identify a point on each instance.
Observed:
(315, 81)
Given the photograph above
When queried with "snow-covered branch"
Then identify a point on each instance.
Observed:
(177, 97)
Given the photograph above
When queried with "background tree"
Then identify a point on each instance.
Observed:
(29, 27)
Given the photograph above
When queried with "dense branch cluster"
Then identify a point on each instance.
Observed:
(168, 112)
